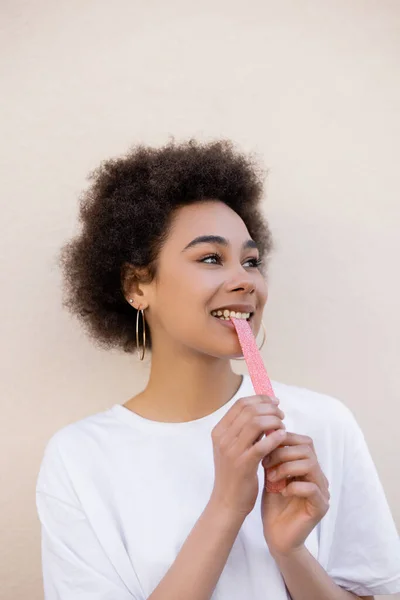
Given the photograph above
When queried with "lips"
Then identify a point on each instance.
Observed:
(229, 321)
(241, 308)
(220, 317)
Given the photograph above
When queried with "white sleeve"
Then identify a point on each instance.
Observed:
(364, 545)
(75, 566)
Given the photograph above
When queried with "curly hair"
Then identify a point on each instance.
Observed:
(126, 214)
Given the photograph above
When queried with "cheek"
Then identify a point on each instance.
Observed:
(263, 292)
(183, 299)
(190, 288)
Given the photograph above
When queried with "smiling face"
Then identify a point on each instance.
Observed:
(192, 281)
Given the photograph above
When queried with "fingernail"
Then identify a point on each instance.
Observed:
(275, 400)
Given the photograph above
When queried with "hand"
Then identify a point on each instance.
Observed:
(290, 516)
(239, 445)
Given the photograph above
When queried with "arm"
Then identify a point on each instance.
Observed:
(198, 566)
(307, 580)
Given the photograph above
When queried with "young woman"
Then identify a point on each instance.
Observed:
(163, 497)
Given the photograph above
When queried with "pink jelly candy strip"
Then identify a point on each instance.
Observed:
(258, 374)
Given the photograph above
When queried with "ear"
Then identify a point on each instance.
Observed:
(133, 286)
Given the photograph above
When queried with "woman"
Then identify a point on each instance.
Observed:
(164, 497)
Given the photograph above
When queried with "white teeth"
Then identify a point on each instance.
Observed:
(226, 314)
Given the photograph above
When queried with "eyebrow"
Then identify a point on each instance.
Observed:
(217, 239)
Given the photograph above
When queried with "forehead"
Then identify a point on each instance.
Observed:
(207, 217)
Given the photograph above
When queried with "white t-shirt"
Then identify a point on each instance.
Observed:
(118, 494)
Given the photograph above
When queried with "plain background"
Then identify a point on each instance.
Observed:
(313, 88)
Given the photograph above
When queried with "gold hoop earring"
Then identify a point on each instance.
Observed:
(139, 310)
(262, 343)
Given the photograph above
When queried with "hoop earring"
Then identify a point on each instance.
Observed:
(144, 334)
(262, 343)
(139, 310)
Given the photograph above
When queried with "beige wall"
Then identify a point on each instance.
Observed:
(313, 87)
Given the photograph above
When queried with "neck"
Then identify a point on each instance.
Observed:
(185, 388)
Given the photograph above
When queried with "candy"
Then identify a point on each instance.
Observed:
(258, 375)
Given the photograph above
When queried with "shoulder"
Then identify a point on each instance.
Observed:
(316, 411)
(82, 432)
(312, 402)
(73, 446)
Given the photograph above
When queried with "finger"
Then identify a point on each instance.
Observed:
(237, 408)
(295, 439)
(266, 445)
(296, 468)
(304, 489)
(295, 447)
(296, 461)
(285, 454)
(223, 434)
(259, 416)
(252, 430)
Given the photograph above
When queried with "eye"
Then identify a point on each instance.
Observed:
(255, 262)
(217, 256)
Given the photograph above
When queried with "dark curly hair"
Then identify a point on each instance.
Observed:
(126, 214)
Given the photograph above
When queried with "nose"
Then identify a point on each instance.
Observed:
(245, 284)
(246, 287)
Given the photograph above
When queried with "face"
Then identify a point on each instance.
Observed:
(193, 281)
